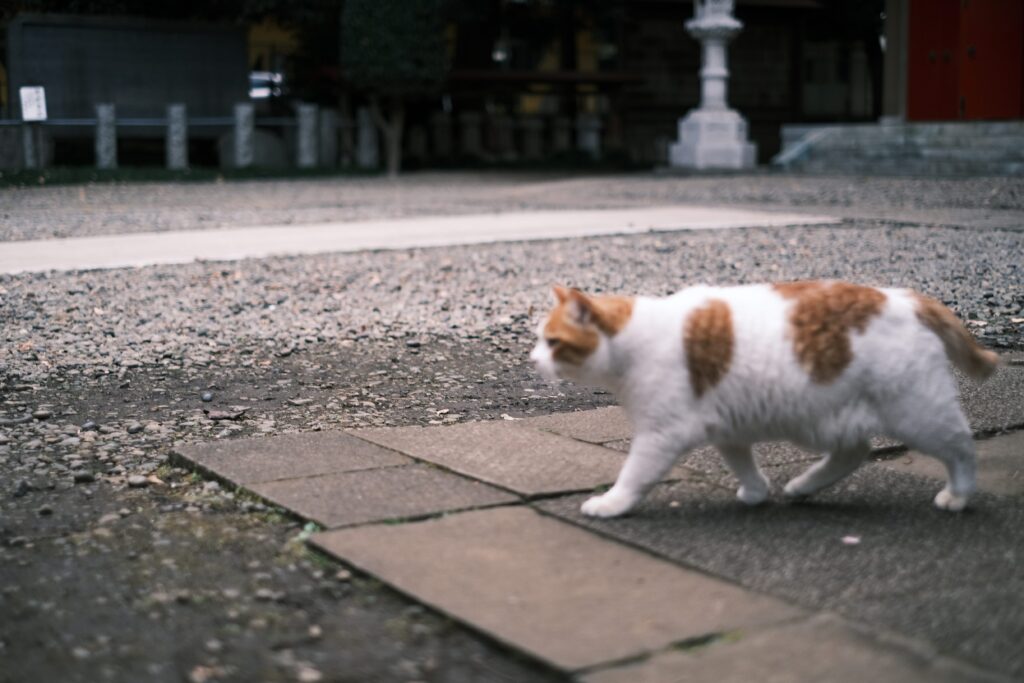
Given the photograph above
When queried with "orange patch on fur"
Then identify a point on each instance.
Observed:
(576, 319)
(708, 341)
(822, 317)
(611, 313)
(960, 346)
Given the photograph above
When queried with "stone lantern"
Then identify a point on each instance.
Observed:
(713, 136)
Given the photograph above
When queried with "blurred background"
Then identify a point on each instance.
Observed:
(465, 83)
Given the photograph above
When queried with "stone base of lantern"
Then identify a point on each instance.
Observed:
(713, 139)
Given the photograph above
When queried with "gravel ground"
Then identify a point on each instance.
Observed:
(118, 566)
(66, 211)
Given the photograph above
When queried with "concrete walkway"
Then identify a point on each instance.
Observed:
(142, 249)
(480, 521)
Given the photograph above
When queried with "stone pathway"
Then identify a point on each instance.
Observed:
(229, 244)
(480, 521)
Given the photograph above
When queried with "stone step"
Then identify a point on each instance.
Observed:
(945, 148)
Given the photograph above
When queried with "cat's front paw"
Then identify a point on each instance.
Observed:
(947, 500)
(610, 504)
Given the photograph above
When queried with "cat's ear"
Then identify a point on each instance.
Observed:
(581, 308)
(561, 293)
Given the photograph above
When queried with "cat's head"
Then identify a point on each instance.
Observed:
(573, 340)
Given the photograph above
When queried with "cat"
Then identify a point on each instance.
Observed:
(823, 364)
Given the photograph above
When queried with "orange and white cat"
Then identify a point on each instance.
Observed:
(826, 365)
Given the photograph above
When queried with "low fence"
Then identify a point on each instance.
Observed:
(318, 137)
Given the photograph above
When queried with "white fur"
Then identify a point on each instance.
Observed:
(899, 384)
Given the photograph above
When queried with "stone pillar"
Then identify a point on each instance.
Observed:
(471, 139)
(31, 145)
(367, 144)
(533, 137)
(177, 137)
(561, 139)
(242, 148)
(328, 152)
(305, 138)
(106, 136)
(441, 129)
(713, 136)
(588, 135)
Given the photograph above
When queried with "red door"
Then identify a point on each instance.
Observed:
(991, 59)
(965, 60)
(933, 34)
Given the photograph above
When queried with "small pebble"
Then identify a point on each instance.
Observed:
(84, 477)
(90, 426)
(44, 511)
(41, 414)
(134, 427)
(206, 396)
(137, 481)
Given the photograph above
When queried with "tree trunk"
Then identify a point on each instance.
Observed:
(391, 128)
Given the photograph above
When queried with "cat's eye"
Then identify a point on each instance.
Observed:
(552, 342)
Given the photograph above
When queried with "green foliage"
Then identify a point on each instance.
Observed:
(393, 47)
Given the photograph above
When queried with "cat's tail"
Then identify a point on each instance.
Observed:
(961, 348)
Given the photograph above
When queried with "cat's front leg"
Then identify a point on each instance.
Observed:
(650, 457)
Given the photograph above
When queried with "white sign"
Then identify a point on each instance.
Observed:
(33, 103)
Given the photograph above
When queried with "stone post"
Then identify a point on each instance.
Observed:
(106, 137)
(177, 137)
(305, 139)
(471, 140)
(533, 137)
(367, 144)
(242, 139)
(31, 145)
(588, 135)
(328, 155)
(441, 129)
(713, 136)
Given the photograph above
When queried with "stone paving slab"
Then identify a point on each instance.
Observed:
(953, 580)
(251, 461)
(822, 648)
(556, 591)
(1000, 464)
(527, 461)
(343, 499)
(598, 426)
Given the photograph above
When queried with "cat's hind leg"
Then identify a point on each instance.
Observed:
(952, 443)
(651, 455)
(740, 460)
(830, 469)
